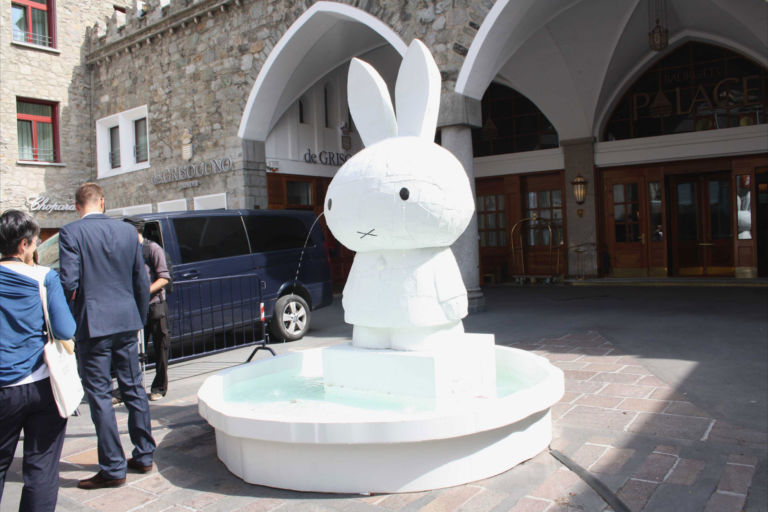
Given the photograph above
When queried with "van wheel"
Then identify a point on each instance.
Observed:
(290, 320)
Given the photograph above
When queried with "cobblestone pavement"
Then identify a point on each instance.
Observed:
(617, 421)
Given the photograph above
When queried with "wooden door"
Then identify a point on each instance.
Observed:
(701, 231)
(626, 225)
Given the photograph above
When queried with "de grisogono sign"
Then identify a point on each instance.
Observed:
(193, 171)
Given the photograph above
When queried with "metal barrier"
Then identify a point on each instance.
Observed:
(207, 316)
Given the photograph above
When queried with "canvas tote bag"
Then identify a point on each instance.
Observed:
(62, 365)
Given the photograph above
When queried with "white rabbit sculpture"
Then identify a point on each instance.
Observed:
(400, 203)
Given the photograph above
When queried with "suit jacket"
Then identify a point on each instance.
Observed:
(101, 260)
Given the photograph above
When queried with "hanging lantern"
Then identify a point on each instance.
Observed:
(658, 26)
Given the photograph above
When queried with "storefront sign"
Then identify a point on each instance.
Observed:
(46, 204)
(189, 184)
(198, 170)
(729, 93)
(326, 157)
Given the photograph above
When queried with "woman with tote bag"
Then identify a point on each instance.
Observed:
(26, 399)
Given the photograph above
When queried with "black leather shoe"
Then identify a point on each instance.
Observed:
(98, 481)
(133, 464)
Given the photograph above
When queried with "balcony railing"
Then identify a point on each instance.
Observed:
(37, 154)
(114, 158)
(32, 38)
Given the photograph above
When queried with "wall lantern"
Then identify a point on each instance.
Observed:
(579, 188)
(658, 27)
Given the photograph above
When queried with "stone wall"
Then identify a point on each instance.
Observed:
(57, 75)
(193, 63)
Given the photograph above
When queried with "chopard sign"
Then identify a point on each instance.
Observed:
(198, 170)
(46, 204)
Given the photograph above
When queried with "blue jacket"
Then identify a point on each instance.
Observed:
(22, 322)
(101, 261)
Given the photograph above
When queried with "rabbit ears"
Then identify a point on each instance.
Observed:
(417, 98)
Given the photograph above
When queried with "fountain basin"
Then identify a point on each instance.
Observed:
(279, 424)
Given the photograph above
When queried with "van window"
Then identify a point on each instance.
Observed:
(276, 232)
(206, 238)
(152, 232)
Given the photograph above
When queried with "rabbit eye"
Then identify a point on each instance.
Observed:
(404, 194)
(330, 202)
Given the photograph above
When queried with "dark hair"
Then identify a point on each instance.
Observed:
(88, 193)
(16, 226)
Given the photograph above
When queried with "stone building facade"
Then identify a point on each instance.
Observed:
(189, 104)
(52, 70)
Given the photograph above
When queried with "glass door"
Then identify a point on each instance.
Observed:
(626, 224)
(702, 231)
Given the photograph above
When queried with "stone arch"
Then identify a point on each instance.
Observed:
(324, 37)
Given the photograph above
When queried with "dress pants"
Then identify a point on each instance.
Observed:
(30, 407)
(96, 357)
(157, 326)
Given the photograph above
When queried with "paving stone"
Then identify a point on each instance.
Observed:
(451, 499)
(578, 386)
(556, 485)
(558, 410)
(598, 355)
(666, 394)
(634, 370)
(608, 402)
(485, 500)
(664, 425)
(528, 504)
(201, 500)
(651, 380)
(262, 505)
(626, 390)
(723, 432)
(84, 458)
(612, 460)
(578, 374)
(569, 365)
(636, 493)
(736, 478)
(747, 460)
(604, 367)
(398, 501)
(643, 405)
(588, 454)
(667, 449)
(687, 409)
(555, 356)
(597, 418)
(121, 499)
(720, 502)
(655, 467)
(569, 397)
(686, 471)
(620, 378)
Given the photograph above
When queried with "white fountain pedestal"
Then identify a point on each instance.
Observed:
(479, 410)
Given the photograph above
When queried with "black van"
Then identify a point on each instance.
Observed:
(221, 246)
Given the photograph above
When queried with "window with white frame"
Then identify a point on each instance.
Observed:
(122, 142)
(32, 22)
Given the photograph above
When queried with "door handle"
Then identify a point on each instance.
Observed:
(705, 244)
(193, 274)
(642, 238)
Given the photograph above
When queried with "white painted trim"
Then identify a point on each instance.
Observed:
(40, 163)
(651, 58)
(683, 146)
(274, 58)
(210, 201)
(172, 205)
(519, 163)
(478, 44)
(124, 120)
(36, 47)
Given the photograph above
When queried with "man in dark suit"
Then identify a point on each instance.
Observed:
(103, 275)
